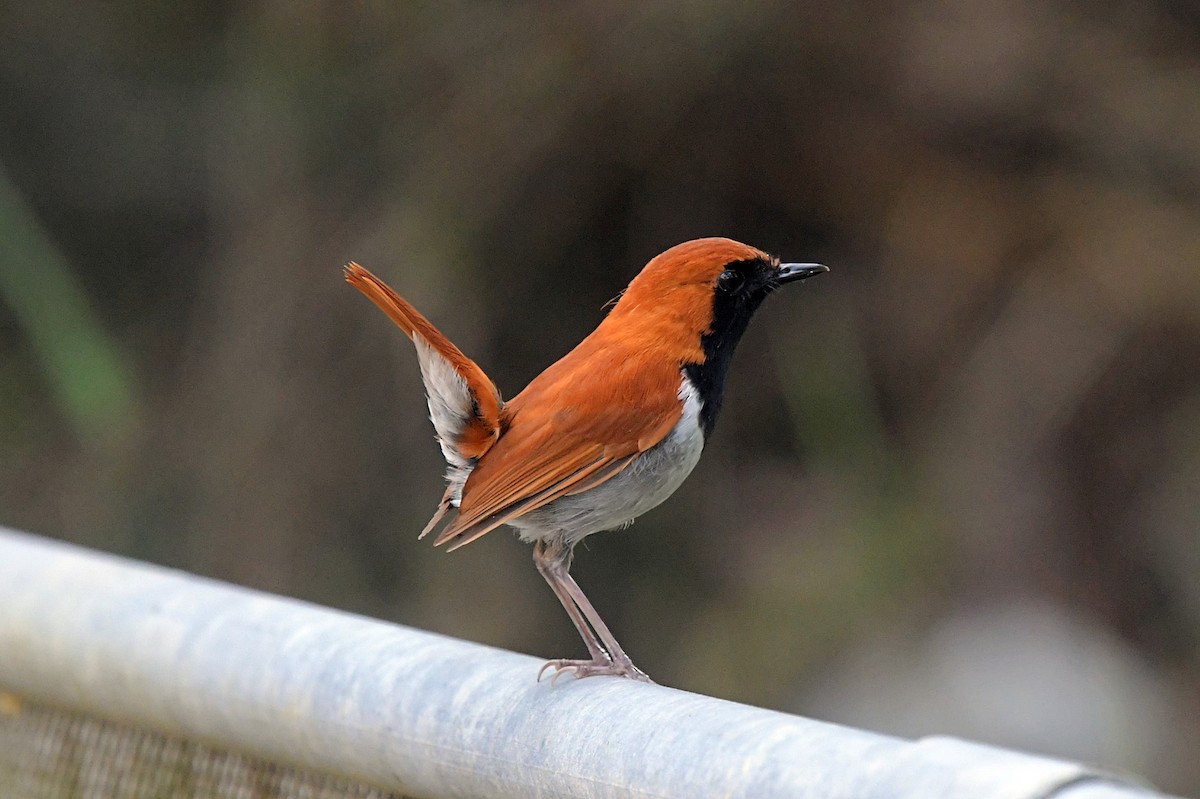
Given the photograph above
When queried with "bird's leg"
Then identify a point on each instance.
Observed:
(554, 561)
(544, 562)
(620, 659)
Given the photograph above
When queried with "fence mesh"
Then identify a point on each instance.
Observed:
(48, 753)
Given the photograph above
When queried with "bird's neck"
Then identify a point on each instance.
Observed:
(708, 375)
(703, 355)
(700, 334)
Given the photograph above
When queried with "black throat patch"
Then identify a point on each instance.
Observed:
(731, 312)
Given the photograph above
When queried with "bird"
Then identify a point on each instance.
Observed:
(604, 434)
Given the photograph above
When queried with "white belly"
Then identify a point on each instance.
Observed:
(640, 486)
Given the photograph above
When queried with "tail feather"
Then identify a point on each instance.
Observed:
(442, 509)
(464, 404)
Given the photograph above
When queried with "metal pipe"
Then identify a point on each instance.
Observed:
(431, 716)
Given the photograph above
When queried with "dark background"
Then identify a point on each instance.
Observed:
(956, 485)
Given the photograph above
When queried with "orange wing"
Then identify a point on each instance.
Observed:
(575, 426)
(464, 404)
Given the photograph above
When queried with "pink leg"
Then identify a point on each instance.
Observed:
(543, 563)
(553, 561)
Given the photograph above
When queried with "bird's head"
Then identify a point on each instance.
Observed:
(707, 289)
(696, 300)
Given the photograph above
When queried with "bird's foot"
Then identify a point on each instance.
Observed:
(593, 668)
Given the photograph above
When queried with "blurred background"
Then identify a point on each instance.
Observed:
(956, 484)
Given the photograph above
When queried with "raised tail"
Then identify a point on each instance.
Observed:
(464, 404)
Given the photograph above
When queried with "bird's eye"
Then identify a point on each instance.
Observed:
(730, 281)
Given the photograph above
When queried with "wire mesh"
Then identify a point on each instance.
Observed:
(49, 753)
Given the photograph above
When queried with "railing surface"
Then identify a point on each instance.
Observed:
(428, 716)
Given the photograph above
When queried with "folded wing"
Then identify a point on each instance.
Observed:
(567, 433)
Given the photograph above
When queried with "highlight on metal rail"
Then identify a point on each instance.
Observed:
(121, 679)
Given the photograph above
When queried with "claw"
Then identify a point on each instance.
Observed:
(558, 667)
(592, 668)
(560, 671)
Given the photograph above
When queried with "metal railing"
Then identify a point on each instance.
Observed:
(428, 716)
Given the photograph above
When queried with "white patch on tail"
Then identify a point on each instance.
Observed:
(451, 405)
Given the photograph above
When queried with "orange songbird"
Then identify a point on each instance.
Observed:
(603, 435)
